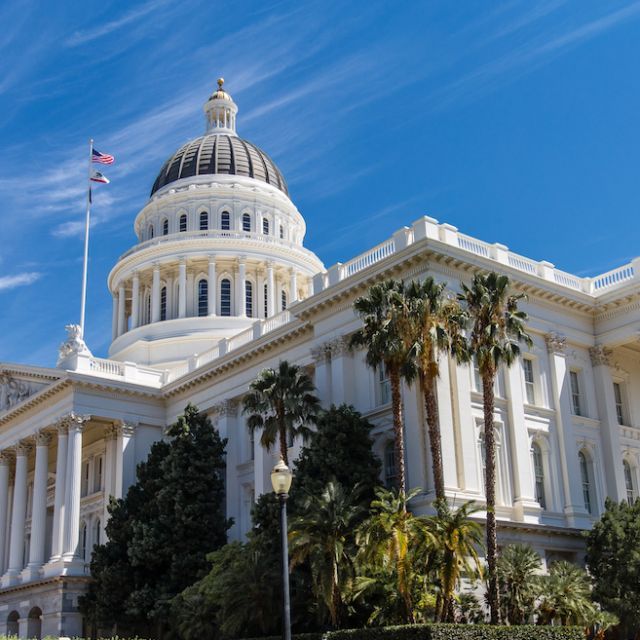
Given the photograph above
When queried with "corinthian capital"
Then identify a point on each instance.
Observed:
(340, 346)
(600, 355)
(43, 439)
(556, 343)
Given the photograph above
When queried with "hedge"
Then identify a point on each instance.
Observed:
(448, 632)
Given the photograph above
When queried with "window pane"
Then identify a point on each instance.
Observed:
(528, 380)
(538, 470)
(628, 481)
(284, 300)
(617, 392)
(163, 303)
(265, 226)
(246, 222)
(586, 484)
(281, 232)
(203, 297)
(204, 221)
(266, 301)
(384, 388)
(249, 298)
(390, 473)
(575, 393)
(183, 223)
(225, 221)
(225, 298)
(165, 227)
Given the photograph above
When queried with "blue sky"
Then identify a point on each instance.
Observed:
(515, 121)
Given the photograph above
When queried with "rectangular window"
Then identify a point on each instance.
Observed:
(617, 393)
(85, 479)
(529, 384)
(97, 480)
(390, 473)
(384, 387)
(477, 380)
(576, 403)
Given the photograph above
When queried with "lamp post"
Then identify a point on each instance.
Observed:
(281, 477)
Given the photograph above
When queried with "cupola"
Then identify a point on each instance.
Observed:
(220, 111)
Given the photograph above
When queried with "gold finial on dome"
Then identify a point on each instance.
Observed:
(220, 83)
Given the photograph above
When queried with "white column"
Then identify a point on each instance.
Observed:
(4, 506)
(213, 295)
(609, 427)
(242, 288)
(155, 294)
(39, 508)
(293, 287)
(574, 508)
(72, 491)
(228, 426)
(121, 309)
(182, 289)
(342, 375)
(60, 488)
(270, 290)
(321, 376)
(110, 436)
(135, 301)
(526, 507)
(18, 515)
(124, 468)
(447, 428)
(114, 318)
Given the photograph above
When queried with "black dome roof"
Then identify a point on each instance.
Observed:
(217, 153)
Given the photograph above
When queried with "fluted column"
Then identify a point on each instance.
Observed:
(270, 290)
(114, 317)
(124, 458)
(5, 461)
(110, 436)
(121, 309)
(242, 288)
(73, 488)
(39, 509)
(293, 286)
(135, 301)
(60, 488)
(155, 293)
(182, 289)
(18, 515)
(213, 296)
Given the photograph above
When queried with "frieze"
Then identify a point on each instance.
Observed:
(13, 390)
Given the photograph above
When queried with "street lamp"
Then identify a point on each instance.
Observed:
(281, 477)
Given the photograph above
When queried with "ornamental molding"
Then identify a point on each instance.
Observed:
(556, 343)
(13, 390)
(228, 408)
(74, 345)
(600, 355)
(319, 353)
(339, 347)
(42, 439)
(122, 429)
(5, 458)
(22, 448)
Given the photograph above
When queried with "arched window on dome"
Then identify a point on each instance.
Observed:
(281, 232)
(265, 226)
(248, 298)
(266, 300)
(225, 221)
(203, 297)
(204, 221)
(165, 227)
(150, 232)
(225, 297)
(246, 222)
(183, 223)
(283, 300)
(163, 303)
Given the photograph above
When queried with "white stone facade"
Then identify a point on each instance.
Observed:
(568, 415)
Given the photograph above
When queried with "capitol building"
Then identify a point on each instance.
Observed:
(218, 286)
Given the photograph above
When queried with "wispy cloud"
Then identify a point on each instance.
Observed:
(18, 280)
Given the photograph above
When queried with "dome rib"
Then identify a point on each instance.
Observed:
(220, 154)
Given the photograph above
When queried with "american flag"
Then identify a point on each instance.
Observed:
(102, 158)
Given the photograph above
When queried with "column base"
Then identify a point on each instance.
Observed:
(64, 566)
(10, 578)
(528, 511)
(31, 573)
(578, 518)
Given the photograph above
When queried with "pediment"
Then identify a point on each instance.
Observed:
(17, 383)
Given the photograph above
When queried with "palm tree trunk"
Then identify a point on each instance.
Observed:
(493, 595)
(396, 403)
(435, 439)
(284, 450)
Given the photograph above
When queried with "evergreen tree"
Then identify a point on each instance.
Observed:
(161, 532)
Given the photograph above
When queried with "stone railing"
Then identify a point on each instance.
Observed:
(437, 233)
(115, 370)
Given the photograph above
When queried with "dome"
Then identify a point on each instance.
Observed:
(217, 153)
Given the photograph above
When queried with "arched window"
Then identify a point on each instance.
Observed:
(150, 234)
(163, 303)
(34, 623)
(248, 294)
(246, 222)
(283, 300)
(538, 471)
(586, 482)
(204, 221)
(266, 301)
(225, 221)
(628, 482)
(12, 624)
(390, 471)
(203, 297)
(265, 226)
(183, 223)
(225, 297)
(281, 232)
(148, 309)
(165, 227)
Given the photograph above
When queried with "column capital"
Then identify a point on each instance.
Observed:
(5, 458)
(242, 260)
(319, 353)
(72, 421)
(600, 355)
(43, 438)
(122, 428)
(556, 343)
(228, 407)
(339, 346)
(22, 449)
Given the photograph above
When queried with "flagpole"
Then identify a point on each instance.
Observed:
(83, 299)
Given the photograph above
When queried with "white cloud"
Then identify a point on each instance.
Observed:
(19, 280)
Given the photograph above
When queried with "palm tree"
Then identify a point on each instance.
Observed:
(281, 403)
(497, 328)
(518, 567)
(324, 535)
(390, 538)
(431, 324)
(457, 539)
(381, 335)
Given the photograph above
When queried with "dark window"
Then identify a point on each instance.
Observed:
(225, 221)
(390, 473)
(163, 303)
(248, 294)
(204, 221)
(150, 231)
(203, 297)
(266, 301)
(165, 227)
(283, 297)
(281, 232)
(246, 222)
(265, 226)
(183, 222)
(225, 297)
